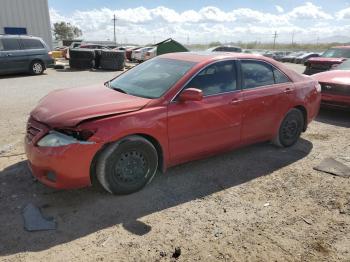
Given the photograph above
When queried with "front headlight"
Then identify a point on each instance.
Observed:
(56, 139)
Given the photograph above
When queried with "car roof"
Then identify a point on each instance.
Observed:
(208, 57)
(19, 36)
(198, 57)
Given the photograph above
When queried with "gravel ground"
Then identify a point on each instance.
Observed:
(258, 203)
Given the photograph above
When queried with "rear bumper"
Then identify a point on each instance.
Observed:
(336, 101)
(66, 167)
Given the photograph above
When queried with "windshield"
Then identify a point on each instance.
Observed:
(152, 78)
(343, 66)
(337, 53)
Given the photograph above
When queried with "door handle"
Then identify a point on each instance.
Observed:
(288, 90)
(9, 55)
(235, 101)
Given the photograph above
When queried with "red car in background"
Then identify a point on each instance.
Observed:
(332, 57)
(335, 86)
(168, 110)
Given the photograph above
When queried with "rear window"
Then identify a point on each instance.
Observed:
(31, 44)
(256, 74)
(280, 77)
(10, 44)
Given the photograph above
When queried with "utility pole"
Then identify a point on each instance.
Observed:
(293, 38)
(188, 39)
(274, 40)
(114, 36)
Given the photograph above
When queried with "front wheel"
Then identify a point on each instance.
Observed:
(290, 129)
(127, 166)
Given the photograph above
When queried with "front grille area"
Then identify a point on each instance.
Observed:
(343, 90)
(34, 128)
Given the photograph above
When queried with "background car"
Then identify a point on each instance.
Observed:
(226, 48)
(277, 55)
(169, 110)
(23, 54)
(304, 57)
(139, 54)
(333, 56)
(336, 86)
(128, 52)
(290, 57)
(151, 53)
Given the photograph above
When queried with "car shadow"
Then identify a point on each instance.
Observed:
(21, 75)
(66, 70)
(82, 212)
(334, 117)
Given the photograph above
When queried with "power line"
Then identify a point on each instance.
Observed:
(274, 39)
(114, 21)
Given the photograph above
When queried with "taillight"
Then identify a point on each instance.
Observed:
(50, 54)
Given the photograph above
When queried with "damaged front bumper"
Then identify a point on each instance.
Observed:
(64, 167)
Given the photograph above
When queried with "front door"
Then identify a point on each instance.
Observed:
(197, 128)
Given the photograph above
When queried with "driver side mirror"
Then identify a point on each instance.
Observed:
(191, 94)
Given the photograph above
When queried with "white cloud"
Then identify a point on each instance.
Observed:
(309, 11)
(279, 9)
(143, 25)
(344, 14)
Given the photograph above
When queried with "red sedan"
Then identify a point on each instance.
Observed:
(336, 86)
(169, 110)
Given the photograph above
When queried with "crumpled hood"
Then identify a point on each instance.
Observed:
(68, 107)
(325, 60)
(341, 77)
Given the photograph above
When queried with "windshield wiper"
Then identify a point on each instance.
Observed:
(119, 90)
(108, 84)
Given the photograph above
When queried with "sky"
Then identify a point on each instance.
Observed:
(207, 21)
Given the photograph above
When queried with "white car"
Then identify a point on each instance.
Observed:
(139, 54)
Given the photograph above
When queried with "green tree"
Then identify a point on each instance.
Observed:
(66, 31)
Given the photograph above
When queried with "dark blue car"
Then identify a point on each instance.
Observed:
(20, 54)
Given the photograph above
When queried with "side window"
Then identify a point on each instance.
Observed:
(1, 45)
(10, 44)
(218, 78)
(31, 44)
(280, 77)
(256, 73)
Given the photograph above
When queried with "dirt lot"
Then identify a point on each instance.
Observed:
(259, 203)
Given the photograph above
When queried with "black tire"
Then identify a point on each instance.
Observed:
(36, 68)
(290, 129)
(127, 166)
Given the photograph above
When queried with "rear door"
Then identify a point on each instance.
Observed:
(197, 128)
(267, 94)
(16, 59)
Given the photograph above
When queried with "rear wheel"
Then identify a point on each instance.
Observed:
(37, 68)
(290, 129)
(127, 165)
